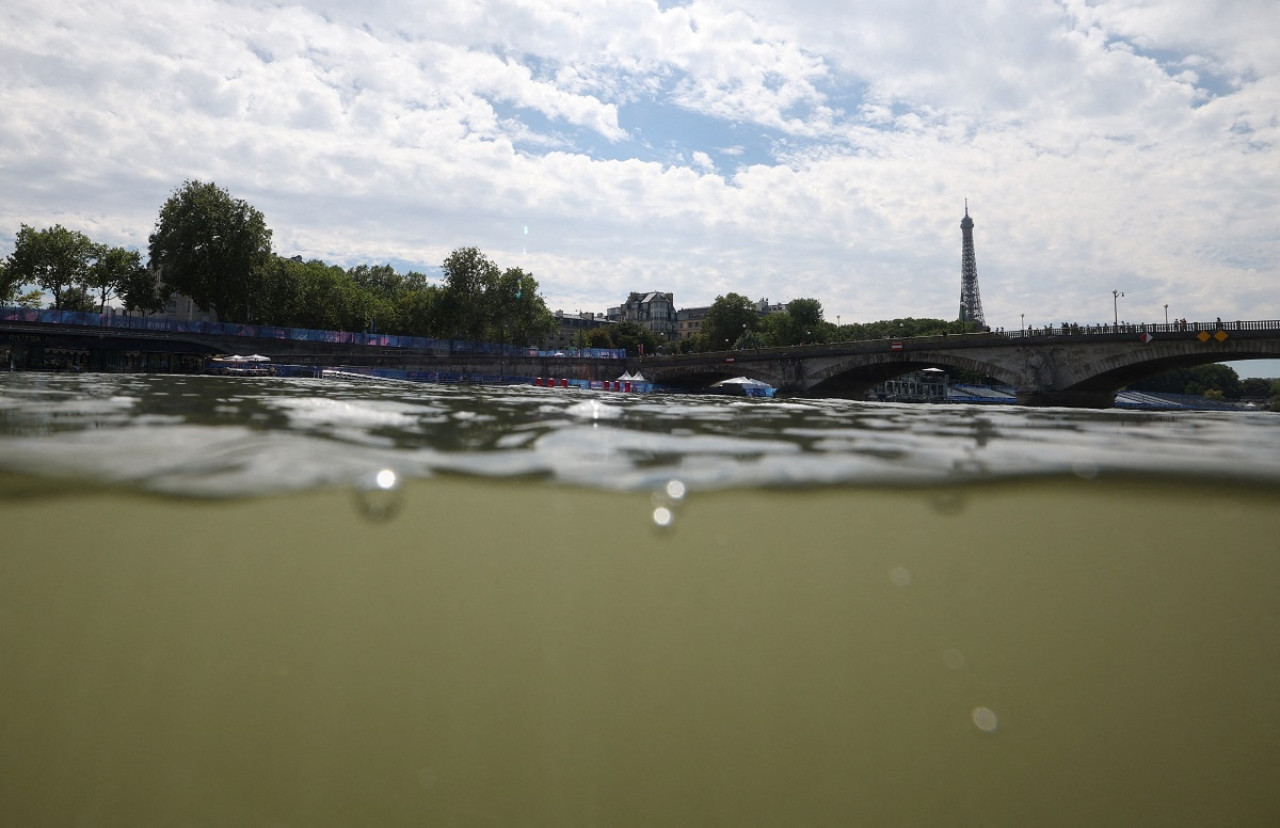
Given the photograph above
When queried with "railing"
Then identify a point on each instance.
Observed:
(185, 326)
(1069, 329)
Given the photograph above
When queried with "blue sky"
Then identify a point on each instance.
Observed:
(776, 149)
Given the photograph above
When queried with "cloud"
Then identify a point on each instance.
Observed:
(780, 150)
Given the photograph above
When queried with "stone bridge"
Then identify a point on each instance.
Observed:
(1072, 366)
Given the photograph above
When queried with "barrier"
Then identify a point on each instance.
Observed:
(191, 326)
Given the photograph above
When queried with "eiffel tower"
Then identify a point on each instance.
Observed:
(970, 299)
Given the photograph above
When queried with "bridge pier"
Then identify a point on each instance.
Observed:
(1068, 399)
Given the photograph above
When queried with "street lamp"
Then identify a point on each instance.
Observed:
(1166, 313)
(1115, 305)
(1023, 317)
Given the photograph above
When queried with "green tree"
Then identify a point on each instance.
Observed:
(1256, 388)
(729, 317)
(8, 284)
(1195, 380)
(753, 339)
(213, 248)
(631, 335)
(77, 298)
(806, 319)
(116, 270)
(420, 311)
(519, 316)
(56, 259)
(601, 337)
(279, 293)
(329, 299)
(468, 275)
(140, 290)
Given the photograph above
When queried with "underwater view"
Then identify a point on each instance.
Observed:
(270, 601)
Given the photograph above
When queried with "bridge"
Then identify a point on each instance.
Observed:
(1070, 365)
(1081, 366)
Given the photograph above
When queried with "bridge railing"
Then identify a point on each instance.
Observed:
(1181, 326)
(153, 324)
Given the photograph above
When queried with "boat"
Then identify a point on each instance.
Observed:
(254, 365)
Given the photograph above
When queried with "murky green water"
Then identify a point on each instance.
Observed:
(212, 614)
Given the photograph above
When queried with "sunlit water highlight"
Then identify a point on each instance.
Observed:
(254, 601)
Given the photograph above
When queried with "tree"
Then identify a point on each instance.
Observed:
(729, 317)
(519, 314)
(139, 289)
(8, 285)
(1256, 388)
(631, 335)
(468, 275)
(600, 337)
(806, 314)
(1196, 380)
(115, 271)
(56, 259)
(212, 248)
(420, 313)
(77, 298)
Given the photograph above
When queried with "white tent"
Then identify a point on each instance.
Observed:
(743, 386)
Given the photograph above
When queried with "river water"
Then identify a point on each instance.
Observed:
(260, 601)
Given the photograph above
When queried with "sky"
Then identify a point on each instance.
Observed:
(800, 149)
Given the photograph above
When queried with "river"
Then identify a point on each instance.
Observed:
(260, 601)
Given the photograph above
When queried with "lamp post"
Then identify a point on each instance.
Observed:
(1115, 305)
(1023, 317)
(1166, 314)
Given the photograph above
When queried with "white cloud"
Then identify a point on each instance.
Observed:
(786, 149)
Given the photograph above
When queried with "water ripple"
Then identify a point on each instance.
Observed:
(219, 436)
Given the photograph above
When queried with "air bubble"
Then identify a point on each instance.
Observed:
(984, 718)
(948, 502)
(379, 495)
(663, 517)
(666, 499)
(1084, 469)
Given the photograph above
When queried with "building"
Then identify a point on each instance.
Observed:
(569, 325)
(654, 311)
(689, 320)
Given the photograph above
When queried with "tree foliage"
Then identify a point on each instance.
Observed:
(1197, 380)
(728, 319)
(468, 275)
(213, 248)
(120, 272)
(217, 251)
(908, 326)
(56, 259)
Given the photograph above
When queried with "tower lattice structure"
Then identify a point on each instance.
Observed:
(970, 299)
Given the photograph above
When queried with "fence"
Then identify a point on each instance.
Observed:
(1069, 329)
(187, 326)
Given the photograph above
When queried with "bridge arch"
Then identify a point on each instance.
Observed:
(1117, 371)
(704, 375)
(854, 376)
